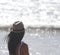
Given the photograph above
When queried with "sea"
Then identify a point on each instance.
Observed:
(41, 21)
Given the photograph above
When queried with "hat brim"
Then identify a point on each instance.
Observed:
(17, 31)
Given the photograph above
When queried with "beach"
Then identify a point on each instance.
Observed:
(40, 41)
(42, 17)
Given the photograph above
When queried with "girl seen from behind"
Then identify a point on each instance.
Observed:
(15, 44)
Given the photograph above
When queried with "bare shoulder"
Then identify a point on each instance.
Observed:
(24, 45)
(24, 49)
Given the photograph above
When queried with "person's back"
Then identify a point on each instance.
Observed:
(22, 49)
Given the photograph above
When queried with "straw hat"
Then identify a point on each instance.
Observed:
(18, 27)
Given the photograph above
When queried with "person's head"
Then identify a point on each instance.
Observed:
(15, 36)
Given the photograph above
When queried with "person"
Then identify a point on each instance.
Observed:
(15, 44)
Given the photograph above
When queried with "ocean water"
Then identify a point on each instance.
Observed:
(34, 14)
(30, 12)
(40, 41)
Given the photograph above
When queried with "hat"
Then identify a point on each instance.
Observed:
(18, 27)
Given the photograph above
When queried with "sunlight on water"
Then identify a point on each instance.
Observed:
(31, 12)
(41, 42)
(34, 14)
(37, 53)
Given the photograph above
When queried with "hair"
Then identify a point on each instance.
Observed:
(14, 38)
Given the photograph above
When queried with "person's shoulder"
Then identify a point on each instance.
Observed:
(24, 44)
(24, 49)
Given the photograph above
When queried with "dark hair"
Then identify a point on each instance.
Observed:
(13, 40)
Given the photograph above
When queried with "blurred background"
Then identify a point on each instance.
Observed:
(41, 19)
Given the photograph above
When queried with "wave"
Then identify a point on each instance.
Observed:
(7, 28)
(44, 27)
